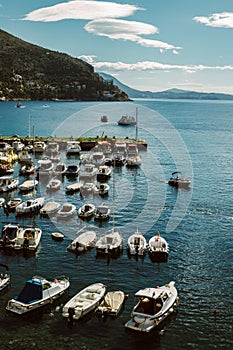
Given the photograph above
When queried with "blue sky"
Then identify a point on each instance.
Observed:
(147, 44)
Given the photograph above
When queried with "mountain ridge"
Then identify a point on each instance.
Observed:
(172, 93)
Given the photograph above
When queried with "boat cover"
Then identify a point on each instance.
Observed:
(31, 292)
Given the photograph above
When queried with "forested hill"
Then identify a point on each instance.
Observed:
(29, 71)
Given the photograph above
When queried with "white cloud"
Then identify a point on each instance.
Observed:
(82, 9)
(127, 30)
(152, 66)
(220, 20)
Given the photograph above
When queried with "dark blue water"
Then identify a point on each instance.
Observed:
(191, 136)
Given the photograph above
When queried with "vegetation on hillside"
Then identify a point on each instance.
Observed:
(28, 71)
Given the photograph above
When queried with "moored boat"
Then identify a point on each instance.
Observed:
(9, 235)
(111, 304)
(84, 241)
(4, 277)
(13, 203)
(152, 307)
(37, 292)
(30, 206)
(75, 187)
(66, 211)
(28, 239)
(84, 301)
(86, 210)
(8, 183)
(53, 185)
(49, 208)
(137, 244)
(104, 173)
(158, 248)
(102, 212)
(28, 185)
(110, 244)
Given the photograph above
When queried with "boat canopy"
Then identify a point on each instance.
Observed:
(153, 293)
(31, 292)
(176, 172)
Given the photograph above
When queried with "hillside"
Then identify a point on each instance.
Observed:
(168, 94)
(29, 71)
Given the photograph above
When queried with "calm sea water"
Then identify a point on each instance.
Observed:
(194, 137)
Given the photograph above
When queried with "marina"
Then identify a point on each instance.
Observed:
(144, 200)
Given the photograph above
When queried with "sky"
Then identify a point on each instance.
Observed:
(151, 45)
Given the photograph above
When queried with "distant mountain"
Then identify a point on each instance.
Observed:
(168, 94)
(29, 71)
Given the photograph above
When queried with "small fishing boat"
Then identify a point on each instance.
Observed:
(110, 244)
(28, 239)
(104, 173)
(72, 171)
(84, 241)
(53, 185)
(50, 208)
(134, 161)
(39, 146)
(97, 158)
(28, 185)
(45, 168)
(152, 307)
(17, 145)
(84, 302)
(9, 235)
(60, 169)
(158, 248)
(57, 236)
(89, 172)
(24, 157)
(73, 148)
(66, 211)
(102, 212)
(87, 189)
(4, 277)
(86, 211)
(127, 120)
(111, 304)
(30, 206)
(179, 182)
(137, 244)
(75, 187)
(102, 189)
(8, 183)
(37, 292)
(13, 203)
(27, 169)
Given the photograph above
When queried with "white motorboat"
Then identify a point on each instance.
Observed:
(84, 302)
(178, 182)
(60, 169)
(50, 208)
(4, 277)
(8, 183)
(75, 187)
(102, 212)
(118, 160)
(28, 239)
(13, 203)
(54, 185)
(57, 236)
(9, 235)
(110, 244)
(86, 211)
(137, 244)
(25, 157)
(84, 241)
(72, 171)
(30, 206)
(134, 160)
(73, 148)
(153, 306)
(26, 169)
(97, 158)
(127, 120)
(102, 189)
(66, 211)
(89, 172)
(39, 146)
(17, 145)
(37, 292)
(111, 304)
(104, 173)
(46, 167)
(158, 247)
(28, 185)
(88, 188)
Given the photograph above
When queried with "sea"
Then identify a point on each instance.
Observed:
(193, 137)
